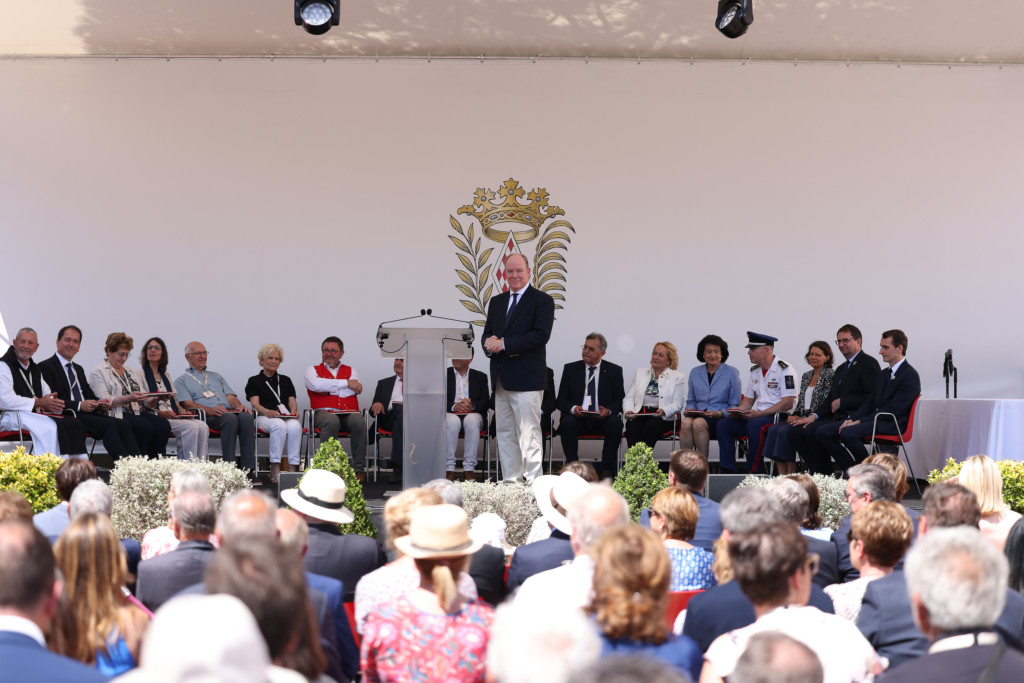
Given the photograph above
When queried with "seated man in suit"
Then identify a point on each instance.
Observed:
(334, 390)
(852, 384)
(794, 501)
(688, 469)
(590, 402)
(388, 400)
(895, 391)
(29, 596)
(200, 389)
(68, 380)
(466, 406)
(887, 614)
(162, 577)
(957, 582)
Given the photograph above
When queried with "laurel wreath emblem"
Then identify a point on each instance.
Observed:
(476, 273)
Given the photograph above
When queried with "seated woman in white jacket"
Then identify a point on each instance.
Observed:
(655, 397)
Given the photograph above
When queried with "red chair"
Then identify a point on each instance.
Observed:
(20, 434)
(312, 433)
(350, 611)
(677, 602)
(264, 434)
(900, 438)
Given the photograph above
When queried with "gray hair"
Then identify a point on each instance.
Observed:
(960, 578)
(873, 479)
(91, 496)
(246, 513)
(559, 642)
(792, 497)
(26, 329)
(293, 531)
(629, 669)
(601, 341)
(746, 509)
(267, 349)
(190, 481)
(449, 491)
(773, 657)
(194, 512)
(598, 510)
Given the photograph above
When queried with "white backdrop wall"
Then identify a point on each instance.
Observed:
(240, 202)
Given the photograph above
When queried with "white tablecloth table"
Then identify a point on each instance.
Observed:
(962, 427)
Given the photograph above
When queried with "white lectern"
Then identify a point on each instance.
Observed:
(426, 351)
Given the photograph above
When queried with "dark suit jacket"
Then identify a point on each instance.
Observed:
(840, 540)
(539, 556)
(964, 664)
(521, 365)
(725, 608)
(346, 557)
(26, 661)
(892, 396)
(334, 590)
(382, 395)
(57, 378)
(488, 571)
(573, 386)
(709, 522)
(478, 392)
(888, 624)
(164, 576)
(852, 385)
(828, 566)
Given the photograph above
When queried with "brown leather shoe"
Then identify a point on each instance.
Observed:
(469, 475)
(361, 476)
(450, 476)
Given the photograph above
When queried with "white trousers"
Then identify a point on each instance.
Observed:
(193, 437)
(520, 442)
(282, 430)
(41, 428)
(452, 424)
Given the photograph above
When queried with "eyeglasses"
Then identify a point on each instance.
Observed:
(198, 353)
(592, 349)
(840, 342)
(651, 512)
(812, 563)
(849, 536)
(154, 347)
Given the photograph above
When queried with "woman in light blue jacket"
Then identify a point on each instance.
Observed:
(713, 387)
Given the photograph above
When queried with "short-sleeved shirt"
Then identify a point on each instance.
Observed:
(691, 569)
(191, 385)
(260, 387)
(769, 388)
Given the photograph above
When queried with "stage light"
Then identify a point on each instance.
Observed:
(734, 16)
(317, 16)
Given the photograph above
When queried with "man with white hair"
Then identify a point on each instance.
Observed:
(957, 586)
(560, 642)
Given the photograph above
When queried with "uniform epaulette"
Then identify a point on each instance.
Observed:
(753, 367)
(783, 364)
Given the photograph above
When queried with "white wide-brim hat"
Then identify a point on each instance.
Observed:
(438, 531)
(566, 488)
(320, 494)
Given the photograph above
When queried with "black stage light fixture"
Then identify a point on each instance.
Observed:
(317, 16)
(734, 16)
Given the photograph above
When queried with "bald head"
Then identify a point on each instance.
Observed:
(196, 355)
(293, 531)
(598, 510)
(246, 513)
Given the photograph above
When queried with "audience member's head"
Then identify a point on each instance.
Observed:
(773, 657)
(867, 483)
(956, 581)
(689, 468)
(765, 562)
(948, 504)
(559, 641)
(629, 669)
(556, 495)
(399, 508)
(980, 474)
(744, 509)
(70, 474)
(813, 519)
(320, 498)
(194, 516)
(91, 495)
(448, 490)
(1014, 551)
(674, 513)
(186, 481)
(246, 513)
(14, 507)
(896, 468)
(584, 470)
(882, 530)
(631, 577)
(440, 544)
(598, 510)
(792, 497)
(292, 531)
(28, 587)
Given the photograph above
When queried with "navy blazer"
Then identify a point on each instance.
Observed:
(725, 608)
(346, 557)
(852, 384)
(478, 392)
(828, 564)
(961, 664)
(26, 661)
(162, 577)
(382, 395)
(539, 556)
(573, 386)
(895, 396)
(521, 366)
(723, 392)
(709, 522)
(887, 622)
(335, 592)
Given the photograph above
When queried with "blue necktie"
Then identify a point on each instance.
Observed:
(76, 392)
(515, 299)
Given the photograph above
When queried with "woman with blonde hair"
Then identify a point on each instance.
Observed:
(432, 632)
(631, 578)
(655, 397)
(674, 514)
(277, 412)
(95, 622)
(981, 475)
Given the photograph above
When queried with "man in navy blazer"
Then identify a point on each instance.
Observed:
(466, 408)
(852, 385)
(515, 338)
(590, 403)
(688, 469)
(388, 412)
(29, 595)
(895, 391)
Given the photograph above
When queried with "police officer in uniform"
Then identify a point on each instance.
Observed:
(772, 388)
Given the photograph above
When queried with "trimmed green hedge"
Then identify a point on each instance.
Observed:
(639, 479)
(31, 476)
(332, 457)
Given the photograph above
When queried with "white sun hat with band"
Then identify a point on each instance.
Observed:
(438, 531)
(565, 488)
(320, 494)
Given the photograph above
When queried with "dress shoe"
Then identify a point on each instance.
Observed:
(361, 477)
(469, 475)
(450, 476)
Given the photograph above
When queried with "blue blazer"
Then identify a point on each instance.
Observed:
(723, 392)
(335, 592)
(26, 661)
(522, 365)
(539, 556)
(892, 395)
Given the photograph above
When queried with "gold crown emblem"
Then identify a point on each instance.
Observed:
(490, 214)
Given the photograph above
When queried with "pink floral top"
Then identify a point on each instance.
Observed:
(384, 584)
(161, 540)
(402, 643)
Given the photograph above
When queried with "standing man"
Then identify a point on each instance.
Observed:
(467, 398)
(388, 399)
(515, 336)
(852, 384)
(590, 401)
(895, 391)
(200, 389)
(772, 388)
(334, 396)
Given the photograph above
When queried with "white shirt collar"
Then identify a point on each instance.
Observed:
(893, 369)
(15, 624)
(520, 292)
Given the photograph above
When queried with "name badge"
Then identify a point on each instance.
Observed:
(281, 409)
(208, 394)
(586, 404)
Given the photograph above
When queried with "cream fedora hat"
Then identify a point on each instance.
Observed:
(566, 488)
(320, 494)
(438, 531)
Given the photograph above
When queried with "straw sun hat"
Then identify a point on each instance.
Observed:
(321, 494)
(438, 531)
(566, 488)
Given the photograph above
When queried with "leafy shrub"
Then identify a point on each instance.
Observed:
(332, 457)
(1012, 472)
(139, 486)
(832, 491)
(639, 479)
(514, 504)
(31, 476)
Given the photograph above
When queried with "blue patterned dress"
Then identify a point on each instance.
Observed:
(691, 569)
